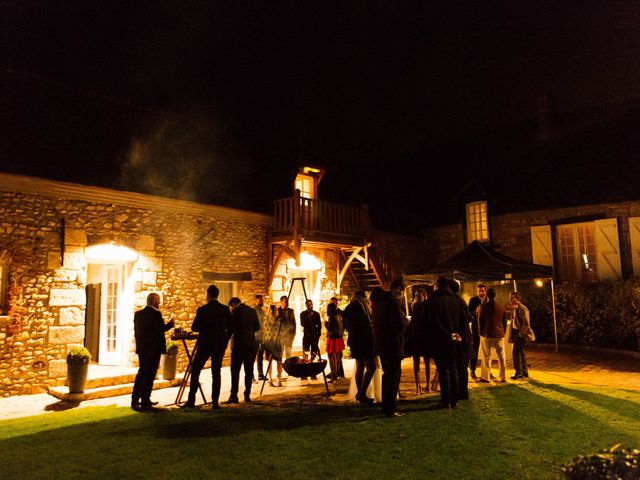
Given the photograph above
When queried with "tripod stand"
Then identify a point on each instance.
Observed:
(313, 333)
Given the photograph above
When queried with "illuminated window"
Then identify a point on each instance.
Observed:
(477, 223)
(306, 184)
(577, 252)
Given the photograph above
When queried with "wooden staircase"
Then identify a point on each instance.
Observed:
(367, 279)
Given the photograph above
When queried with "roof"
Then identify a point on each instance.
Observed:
(481, 262)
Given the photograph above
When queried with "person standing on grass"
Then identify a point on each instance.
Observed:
(244, 325)
(474, 303)
(389, 325)
(444, 319)
(213, 323)
(520, 332)
(463, 348)
(491, 327)
(149, 328)
(357, 321)
(259, 308)
(415, 346)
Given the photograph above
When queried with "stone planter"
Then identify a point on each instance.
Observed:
(168, 365)
(77, 377)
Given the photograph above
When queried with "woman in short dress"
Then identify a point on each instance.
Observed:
(335, 342)
(272, 345)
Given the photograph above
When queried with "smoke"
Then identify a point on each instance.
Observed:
(188, 156)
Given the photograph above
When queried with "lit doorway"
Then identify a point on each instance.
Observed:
(110, 304)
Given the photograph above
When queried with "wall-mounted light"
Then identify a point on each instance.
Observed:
(539, 282)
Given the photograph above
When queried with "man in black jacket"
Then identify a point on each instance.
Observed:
(213, 322)
(444, 318)
(357, 321)
(389, 325)
(463, 348)
(474, 303)
(312, 328)
(244, 325)
(149, 331)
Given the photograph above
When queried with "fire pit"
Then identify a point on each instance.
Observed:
(301, 368)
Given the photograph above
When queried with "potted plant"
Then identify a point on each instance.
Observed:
(169, 360)
(77, 369)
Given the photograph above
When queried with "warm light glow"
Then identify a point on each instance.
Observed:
(307, 262)
(539, 282)
(110, 252)
(311, 170)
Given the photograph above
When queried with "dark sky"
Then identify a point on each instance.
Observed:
(218, 101)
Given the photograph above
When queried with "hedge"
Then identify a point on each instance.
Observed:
(604, 314)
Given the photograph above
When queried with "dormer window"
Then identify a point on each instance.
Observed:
(477, 222)
(307, 185)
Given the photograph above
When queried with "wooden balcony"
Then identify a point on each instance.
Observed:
(319, 221)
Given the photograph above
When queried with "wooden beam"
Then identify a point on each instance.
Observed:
(347, 264)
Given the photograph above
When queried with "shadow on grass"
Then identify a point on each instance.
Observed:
(619, 406)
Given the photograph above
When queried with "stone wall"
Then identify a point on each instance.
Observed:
(46, 238)
(511, 233)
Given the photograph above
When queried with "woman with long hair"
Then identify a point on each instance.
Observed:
(335, 342)
(272, 344)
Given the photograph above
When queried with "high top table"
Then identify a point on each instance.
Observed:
(184, 336)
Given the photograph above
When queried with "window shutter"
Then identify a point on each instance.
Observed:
(634, 234)
(608, 249)
(541, 246)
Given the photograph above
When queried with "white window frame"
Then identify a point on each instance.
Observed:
(477, 217)
(581, 261)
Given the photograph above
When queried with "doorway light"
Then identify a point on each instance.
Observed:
(307, 262)
(110, 252)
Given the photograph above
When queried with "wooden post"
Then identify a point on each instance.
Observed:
(555, 323)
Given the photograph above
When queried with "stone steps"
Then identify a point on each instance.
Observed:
(107, 387)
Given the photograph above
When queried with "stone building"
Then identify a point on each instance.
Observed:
(76, 262)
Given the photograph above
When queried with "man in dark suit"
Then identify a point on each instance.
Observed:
(474, 303)
(149, 328)
(213, 323)
(389, 325)
(245, 324)
(312, 328)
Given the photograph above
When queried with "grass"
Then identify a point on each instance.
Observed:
(525, 430)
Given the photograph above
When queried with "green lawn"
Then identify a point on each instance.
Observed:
(524, 430)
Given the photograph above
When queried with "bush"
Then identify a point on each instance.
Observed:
(172, 347)
(605, 314)
(615, 463)
(78, 356)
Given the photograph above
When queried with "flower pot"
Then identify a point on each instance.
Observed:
(168, 365)
(77, 377)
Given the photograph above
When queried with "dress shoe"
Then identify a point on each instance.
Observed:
(247, 400)
(188, 405)
(397, 413)
(231, 401)
(503, 380)
(473, 376)
(364, 400)
(153, 403)
(261, 377)
(215, 406)
(482, 380)
(136, 407)
(517, 376)
(148, 408)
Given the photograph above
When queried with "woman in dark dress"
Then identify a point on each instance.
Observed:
(416, 345)
(335, 342)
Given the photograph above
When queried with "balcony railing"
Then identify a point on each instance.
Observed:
(307, 216)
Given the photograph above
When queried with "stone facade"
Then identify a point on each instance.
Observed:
(511, 233)
(46, 230)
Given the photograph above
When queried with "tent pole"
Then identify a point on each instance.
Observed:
(555, 324)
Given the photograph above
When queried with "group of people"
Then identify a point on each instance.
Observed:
(377, 327)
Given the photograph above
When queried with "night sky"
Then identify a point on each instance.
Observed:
(219, 101)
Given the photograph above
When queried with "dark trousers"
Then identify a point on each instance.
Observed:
(200, 357)
(391, 372)
(365, 368)
(462, 363)
(143, 384)
(475, 347)
(448, 375)
(242, 358)
(260, 359)
(519, 356)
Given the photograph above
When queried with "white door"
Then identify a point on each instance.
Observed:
(111, 330)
